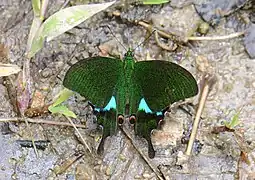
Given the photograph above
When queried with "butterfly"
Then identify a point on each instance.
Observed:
(140, 91)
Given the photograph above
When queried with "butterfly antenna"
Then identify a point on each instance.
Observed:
(115, 37)
(145, 39)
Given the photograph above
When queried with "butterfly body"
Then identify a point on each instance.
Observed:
(140, 90)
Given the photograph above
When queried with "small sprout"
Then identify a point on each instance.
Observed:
(62, 109)
(63, 96)
(234, 122)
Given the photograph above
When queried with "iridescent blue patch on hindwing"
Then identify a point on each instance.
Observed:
(111, 104)
(144, 107)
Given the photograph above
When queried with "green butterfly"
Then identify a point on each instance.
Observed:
(140, 90)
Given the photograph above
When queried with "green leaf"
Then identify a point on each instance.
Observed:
(234, 122)
(63, 21)
(36, 7)
(155, 1)
(61, 109)
(63, 96)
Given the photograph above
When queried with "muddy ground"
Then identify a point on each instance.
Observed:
(216, 156)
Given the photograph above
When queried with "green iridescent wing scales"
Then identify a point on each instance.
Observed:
(160, 83)
(94, 78)
(144, 88)
(106, 119)
(145, 123)
(164, 83)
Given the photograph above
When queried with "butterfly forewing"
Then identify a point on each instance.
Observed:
(163, 83)
(94, 78)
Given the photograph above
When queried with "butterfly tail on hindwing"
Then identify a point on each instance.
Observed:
(145, 123)
(107, 120)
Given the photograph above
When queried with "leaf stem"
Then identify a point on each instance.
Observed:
(78, 132)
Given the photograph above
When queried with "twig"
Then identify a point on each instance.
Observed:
(156, 171)
(209, 81)
(78, 132)
(67, 163)
(173, 36)
(230, 36)
(40, 121)
(163, 46)
(32, 137)
(177, 38)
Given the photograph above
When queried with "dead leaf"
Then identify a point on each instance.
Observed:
(8, 69)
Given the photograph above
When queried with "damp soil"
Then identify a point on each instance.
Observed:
(214, 156)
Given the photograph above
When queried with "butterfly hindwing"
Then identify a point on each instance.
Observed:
(163, 83)
(107, 119)
(160, 83)
(94, 78)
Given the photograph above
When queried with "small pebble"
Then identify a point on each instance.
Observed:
(80, 148)
(146, 175)
(47, 72)
(122, 157)
(203, 28)
(108, 171)
(138, 177)
(97, 167)
(99, 162)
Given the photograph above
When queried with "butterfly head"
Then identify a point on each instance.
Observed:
(129, 55)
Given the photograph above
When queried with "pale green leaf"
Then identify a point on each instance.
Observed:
(61, 109)
(155, 1)
(63, 96)
(235, 120)
(36, 7)
(63, 21)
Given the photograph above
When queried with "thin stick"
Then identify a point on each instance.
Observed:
(206, 89)
(78, 132)
(156, 171)
(184, 40)
(32, 137)
(40, 121)
(230, 36)
(162, 33)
